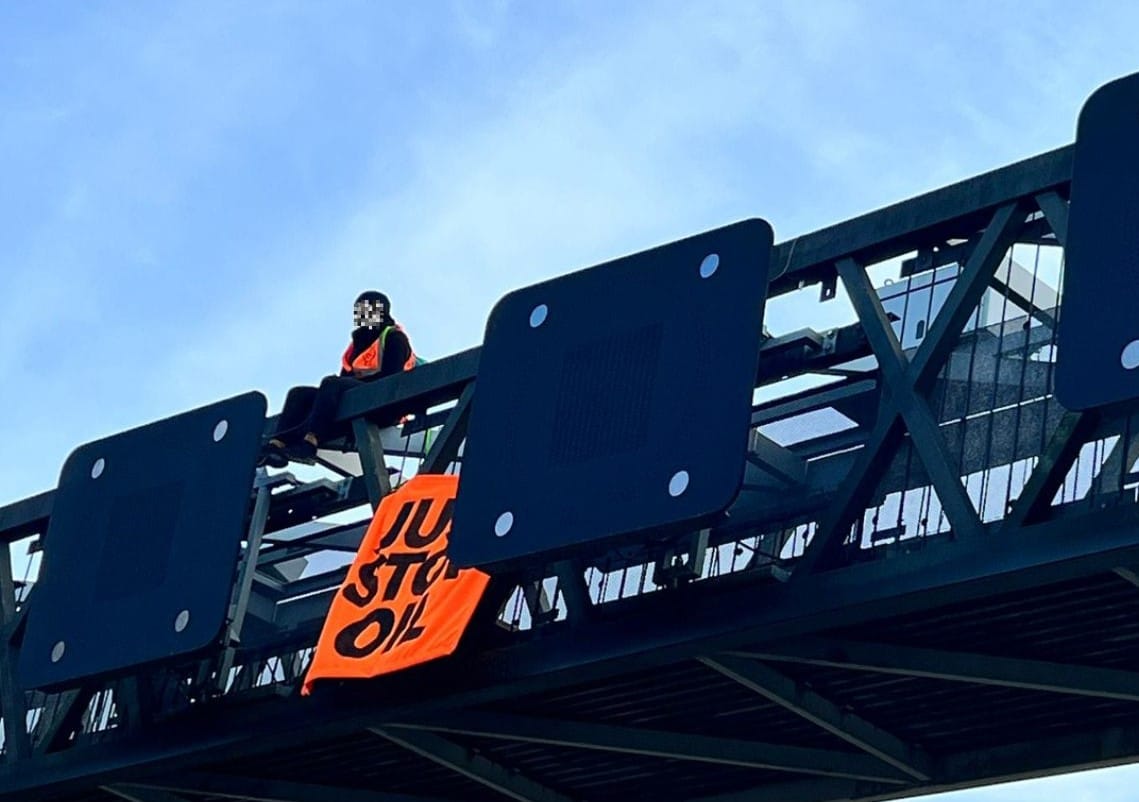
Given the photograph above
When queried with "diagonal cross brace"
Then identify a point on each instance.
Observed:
(955, 666)
(906, 385)
(786, 692)
(1055, 211)
(130, 793)
(671, 745)
(471, 765)
(902, 399)
(446, 447)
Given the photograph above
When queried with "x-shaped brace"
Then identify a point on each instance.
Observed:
(904, 403)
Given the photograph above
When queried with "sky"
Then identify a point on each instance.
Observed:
(192, 193)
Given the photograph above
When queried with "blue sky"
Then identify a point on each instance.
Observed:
(193, 193)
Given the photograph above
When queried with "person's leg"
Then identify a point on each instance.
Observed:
(321, 425)
(294, 415)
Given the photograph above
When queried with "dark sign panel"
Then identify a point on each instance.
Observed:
(142, 544)
(614, 399)
(1097, 361)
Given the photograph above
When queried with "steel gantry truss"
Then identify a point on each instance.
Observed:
(938, 593)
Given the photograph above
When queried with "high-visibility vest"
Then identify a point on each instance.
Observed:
(369, 361)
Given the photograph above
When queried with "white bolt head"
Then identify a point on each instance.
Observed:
(678, 483)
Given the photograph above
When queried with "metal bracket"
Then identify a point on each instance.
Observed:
(828, 288)
(682, 562)
(263, 484)
(541, 607)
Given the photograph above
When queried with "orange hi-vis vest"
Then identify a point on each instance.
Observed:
(369, 361)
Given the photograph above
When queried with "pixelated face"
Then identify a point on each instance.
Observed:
(368, 313)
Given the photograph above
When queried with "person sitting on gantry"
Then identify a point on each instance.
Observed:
(379, 347)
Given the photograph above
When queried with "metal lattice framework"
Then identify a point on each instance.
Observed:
(936, 593)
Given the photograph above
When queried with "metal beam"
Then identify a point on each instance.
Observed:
(861, 393)
(774, 459)
(970, 286)
(908, 381)
(1026, 760)
(446, 446)
(656, 743)
(1025, 290)
(786, 692)
(655, 630)
(575, 591)
(555, 660)
(64, 715)
(954, 666)
(256, 789)
(345, 538)
(471, 765)
(878, 235)
(1055, 211)
(17, 745)
(1041, 757)
(1128, 575)
(411, 391)
(901, 396)
(26, 517)
(943, 213)
(370, 446)
(1115, 471)
(1062, 449)
(933, 451)
(136, 794)
(1029, 291)
(860, 481)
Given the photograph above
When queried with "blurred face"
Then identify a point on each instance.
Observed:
(368, 313)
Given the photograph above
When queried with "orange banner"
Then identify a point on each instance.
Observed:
(403, 603)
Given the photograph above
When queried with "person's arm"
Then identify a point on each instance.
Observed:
(397, 349)
(346, 360)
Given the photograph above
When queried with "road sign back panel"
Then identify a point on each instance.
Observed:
(142, 544)
(614, 399)
(1097, 361)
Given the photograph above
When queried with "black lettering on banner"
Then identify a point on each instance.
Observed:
(410, 631)
(415, 538)
(345, 643)
(402, 561)
(386, 627)
(397, 526)
(404, 622)
(367, 578)
(424, 579)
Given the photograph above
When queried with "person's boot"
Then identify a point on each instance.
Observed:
(306, 448)
(273, 455)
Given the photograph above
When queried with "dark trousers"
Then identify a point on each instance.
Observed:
(313, 409)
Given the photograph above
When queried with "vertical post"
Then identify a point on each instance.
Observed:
(134, 701)
(16, 742)
(370, 446)
(538, 602)
(240, 603)
(575, 591)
